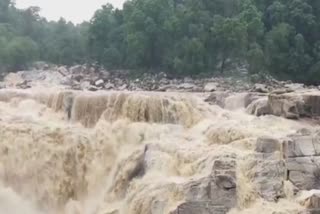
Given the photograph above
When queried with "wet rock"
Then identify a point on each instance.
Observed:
(99, 83)
(294, 86)
(286, 105)
(217, 98)
(123, 87)
(210, 87)
(85, 85)
(267, 145)
(259, 107)
(310, 200)
(304, 172)
(93, 88)
(104, 75)
(282, 91)
(63, 70)
(187, 86)
(200, 207)
(77, 69)
(261, 88)
(311, 107)
(109, 86)
(295, 105)
(40, 65)
(303, 144)
(267, 175)
(215, 193)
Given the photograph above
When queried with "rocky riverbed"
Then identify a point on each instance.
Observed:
(213, 148)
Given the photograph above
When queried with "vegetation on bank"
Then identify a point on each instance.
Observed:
(183, 37)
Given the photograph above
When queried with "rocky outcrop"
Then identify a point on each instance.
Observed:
(259, 107)
(215, 193)
(310, 200)
(303, 160)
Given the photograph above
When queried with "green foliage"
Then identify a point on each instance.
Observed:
(184, 37)
(26, 37)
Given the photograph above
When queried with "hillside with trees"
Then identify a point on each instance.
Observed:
(181, 37)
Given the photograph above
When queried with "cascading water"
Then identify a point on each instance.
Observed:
(129, 153)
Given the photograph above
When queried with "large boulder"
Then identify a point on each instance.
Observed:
(302, 153)
(187, 87)
(259, 107)
(217, 98)
(210, 87)
(310, 200)
(286, 105)
(215, 193)
(260, 88)
(295, 105)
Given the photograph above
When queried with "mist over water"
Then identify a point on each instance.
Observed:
(123, 152)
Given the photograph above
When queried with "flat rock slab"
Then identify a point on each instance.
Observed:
(200, 207)
(304, 172)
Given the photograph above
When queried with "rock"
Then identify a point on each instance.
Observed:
(63, 70)
(286, 105)
(261, 88)
(99, 83)
(85, 85)
(210, 87)
(311, 107)
(200, 207)
(259, 107)
(40, 65)
(302, 153)
(24, 85)
(304, 172)
(212, 194)
(303, 144)
(104, 75)
(93, 88)
(109, 86)
(188, 80)
(267, 145)
(187, 86)
(295, 105)
(282, 91)
(310, 199)
(294, 86)
(77, 69)
(78, 77)
(217, 98)
(267, 175)
(123, 87)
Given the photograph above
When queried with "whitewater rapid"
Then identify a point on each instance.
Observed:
(123, 152)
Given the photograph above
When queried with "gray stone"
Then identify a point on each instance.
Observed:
(310, 199)
(217, 98)
(259, 107)
(286, 105)
(304, 172)
(215, 193)
(99, 83)
(123, 87)
(187, 86)
(109, 86)
(267, 175)
(267, 145)
(200, 207)
(210, 87)
(261, 88)
(85, 85)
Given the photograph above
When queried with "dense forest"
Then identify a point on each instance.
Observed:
(184, 37)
